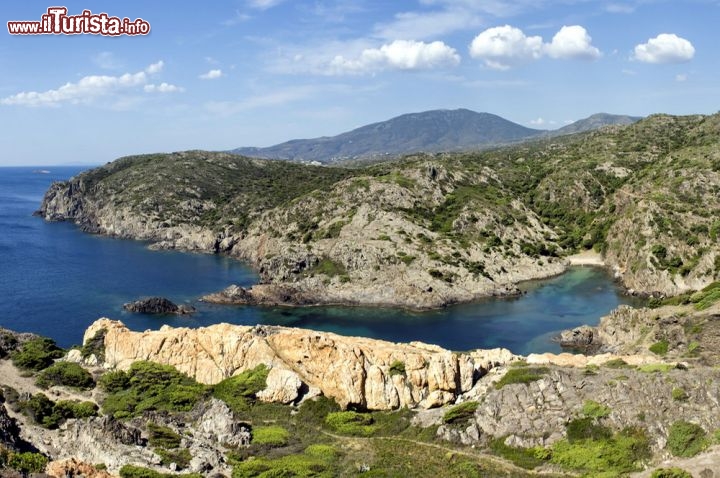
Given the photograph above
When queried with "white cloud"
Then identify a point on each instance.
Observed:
(573, 43)
(163, 88)
(211, 75)
(398, 55)
(619, 8)
(87, 89)
(537, 122)
(107, 61)
(506, 46)
(427, 24)
(155, 68)
(680, 78)
(263, 4)
(665, 48)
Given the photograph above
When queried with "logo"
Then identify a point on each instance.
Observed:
(57, 22)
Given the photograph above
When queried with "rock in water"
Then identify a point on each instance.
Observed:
(158, 305)
(581, 338)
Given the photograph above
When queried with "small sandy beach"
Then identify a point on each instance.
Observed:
(586, 258)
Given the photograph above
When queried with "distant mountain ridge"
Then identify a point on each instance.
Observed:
(428, 131)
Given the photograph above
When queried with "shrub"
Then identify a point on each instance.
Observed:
(150, 386)
(397, 368)
(314, 411)
(656, 368)
(460, 412)
(49, 414)
(270, 435)
(614, 456)
(660, 348)
(679, 394)
(66, 374)
(115, 381)
(351, 423)
(686, 439)
(181, 457)
(521, 375)
(586, 428)
(67, 409)
(37, 354)
(239, 391)
(706, 297)
(523, 457)
(162, 437)
(594, 409)
(670, 473)
(616, 363)
(27, 462)
(132, 471)
(95, 346)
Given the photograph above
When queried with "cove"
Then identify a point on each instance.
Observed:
(56, 280)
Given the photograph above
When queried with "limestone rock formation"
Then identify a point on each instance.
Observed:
(158, 305)
(352, 370)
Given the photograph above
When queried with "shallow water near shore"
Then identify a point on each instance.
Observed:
(56, 280)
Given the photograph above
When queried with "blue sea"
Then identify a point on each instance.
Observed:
(55, 280)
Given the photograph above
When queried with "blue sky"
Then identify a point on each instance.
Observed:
(223, 74)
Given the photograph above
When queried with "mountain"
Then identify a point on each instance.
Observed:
(429, 131)
(594, 122)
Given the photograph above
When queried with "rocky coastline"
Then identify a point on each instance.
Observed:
(636, 385)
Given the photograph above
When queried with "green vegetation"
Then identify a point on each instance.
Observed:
(351, 423)
(660, 348)
(273, 436)
(95, 346)
(66, 374)
(49, 414)
(132, 471)
(670, 473)
(686, 439)
(593, 409)
(162, 437)
(616, 363)
(25, 463)
(656, 368)
(679, 394)
(706, 297)
(316, 460)
(522, 375)
(604, 455)
(37, 354)
(239, 391)
(527, 458)
(460, 412)
(397, 368)
(149, 386)
(327, 267)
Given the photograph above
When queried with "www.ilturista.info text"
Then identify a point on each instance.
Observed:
(57, 22)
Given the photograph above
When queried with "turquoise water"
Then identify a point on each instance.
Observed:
(56, 280)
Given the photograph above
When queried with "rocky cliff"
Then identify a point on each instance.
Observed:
(429, 230)
(354, 371)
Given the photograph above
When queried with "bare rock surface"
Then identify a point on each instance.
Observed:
(158, 305)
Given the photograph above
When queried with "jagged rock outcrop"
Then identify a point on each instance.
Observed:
(354, 371)
(73, 467)
(579, 338)
(9, 430)
(10, 341)
(158, 305)
(216, 422)
(536, 414)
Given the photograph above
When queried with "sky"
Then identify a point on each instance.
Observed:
(224, 74)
